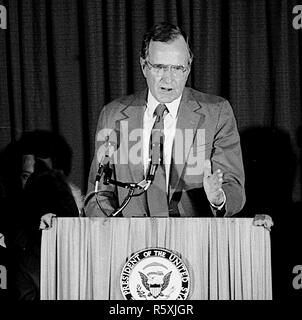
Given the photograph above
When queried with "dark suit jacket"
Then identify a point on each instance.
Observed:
(211, 134)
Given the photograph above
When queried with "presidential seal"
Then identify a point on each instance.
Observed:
(155, 274)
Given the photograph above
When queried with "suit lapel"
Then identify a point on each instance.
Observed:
(186, 126)
(132, 116)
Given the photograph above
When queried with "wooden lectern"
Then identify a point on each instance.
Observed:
(227, 258)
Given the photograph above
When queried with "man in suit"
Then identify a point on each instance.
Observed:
(197, 157)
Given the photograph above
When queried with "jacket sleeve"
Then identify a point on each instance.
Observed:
(227, 156)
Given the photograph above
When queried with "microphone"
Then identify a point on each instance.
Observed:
(104, 164)
(105, 152)
(156, 153)
(151, 171)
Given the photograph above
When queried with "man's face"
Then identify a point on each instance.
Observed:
(28, 166)
(166, 86)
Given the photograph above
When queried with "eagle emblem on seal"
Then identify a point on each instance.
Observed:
(155, 282)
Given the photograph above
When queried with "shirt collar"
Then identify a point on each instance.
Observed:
(152, 103)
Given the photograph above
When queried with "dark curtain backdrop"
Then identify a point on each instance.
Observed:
(62, 60)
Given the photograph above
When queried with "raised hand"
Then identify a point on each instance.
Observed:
(212, 183)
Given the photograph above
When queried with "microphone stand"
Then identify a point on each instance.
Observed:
(142, 185)
(145, 184)
(132, 186)
(104, 168)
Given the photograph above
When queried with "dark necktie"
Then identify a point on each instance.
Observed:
(156, 194)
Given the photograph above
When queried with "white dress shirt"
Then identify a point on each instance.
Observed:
(170, 120)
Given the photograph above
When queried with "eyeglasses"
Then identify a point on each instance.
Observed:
(159, 69)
